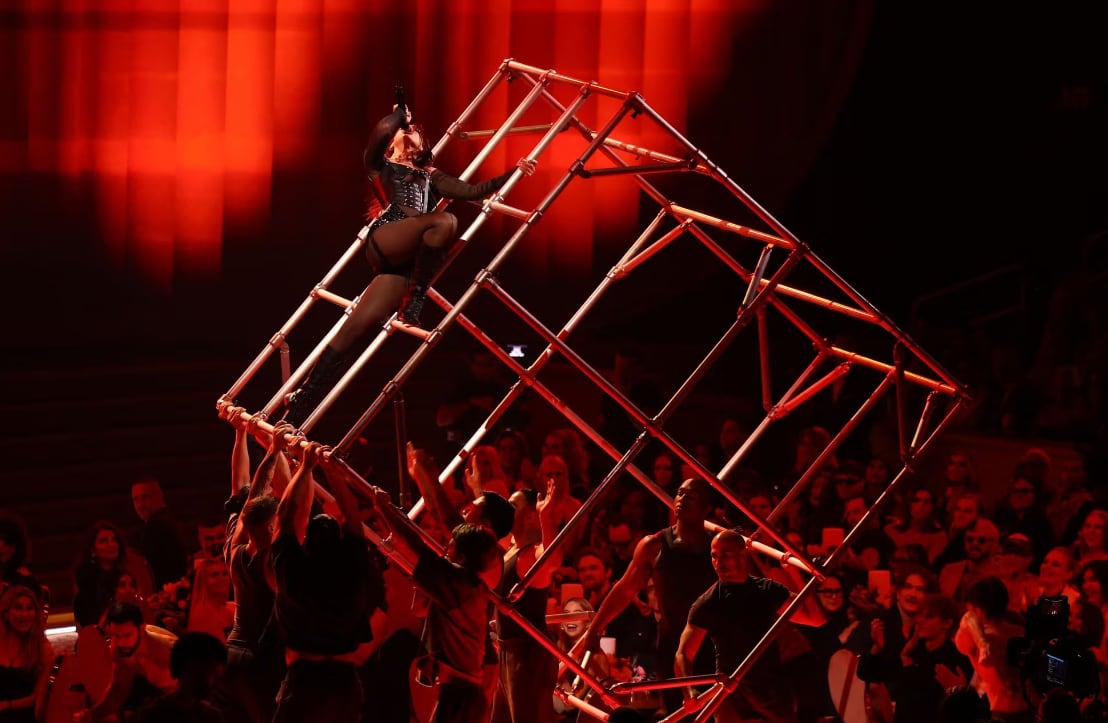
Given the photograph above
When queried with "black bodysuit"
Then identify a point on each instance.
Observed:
(418, 189)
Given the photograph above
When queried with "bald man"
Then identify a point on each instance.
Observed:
(735, 613)
(982, 540)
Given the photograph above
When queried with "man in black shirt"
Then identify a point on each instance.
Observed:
(458, 616)
(735, 613)
(927, 664)
(327, 589)
(160, 541)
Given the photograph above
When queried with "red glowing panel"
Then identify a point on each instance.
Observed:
(185, 112)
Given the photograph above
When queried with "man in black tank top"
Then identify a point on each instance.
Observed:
(528, 672)
(678, 561)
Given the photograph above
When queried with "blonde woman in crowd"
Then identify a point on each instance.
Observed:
(25, 656)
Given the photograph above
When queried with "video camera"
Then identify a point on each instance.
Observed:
(1050, 655)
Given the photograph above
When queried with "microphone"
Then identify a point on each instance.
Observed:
(401, 106)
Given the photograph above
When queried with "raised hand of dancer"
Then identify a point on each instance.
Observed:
(526, 165)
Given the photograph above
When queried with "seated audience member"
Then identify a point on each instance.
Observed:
(517, 469)
(1055, 574)
(926, 665)
(97, 569)
(140, 665)
(981, 541)
(1014, 569)
(196, 662)
(966, 510)
(982, 636)
(159, 541)
(922, 525)
(1022, 511)
(210, 608)
(622, 539)
(1092, 542)
(963, 704)
(210, 537)
(567, 445)
(1071, 501)
(1059, 706)
(886, 633)
(15, 551)
(906, 558)
(25, 656)
(569, 633)
(871, 547)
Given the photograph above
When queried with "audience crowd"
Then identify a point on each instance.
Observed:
(312, 597)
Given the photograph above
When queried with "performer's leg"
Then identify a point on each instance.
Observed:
(428, 259)
(377, 302)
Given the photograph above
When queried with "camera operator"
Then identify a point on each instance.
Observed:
(1051, 656)
(983, 636)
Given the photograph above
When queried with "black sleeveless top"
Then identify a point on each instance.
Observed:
(531, 604)
(680, 577)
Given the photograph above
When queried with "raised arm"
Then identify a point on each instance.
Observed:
(546, 508)
(295, 507)
(405, 541)
(263, 476)
(339, 479)
(450, 187)
(422, 469)
(383, 133)
(240, 455)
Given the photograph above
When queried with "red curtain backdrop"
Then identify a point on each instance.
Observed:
(176, 123)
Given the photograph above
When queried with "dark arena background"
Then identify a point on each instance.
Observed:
(177, 177)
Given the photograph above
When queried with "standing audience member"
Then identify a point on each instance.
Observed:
(983, 635)
(25, 656)
(327, 590)
(160, 540)
(735, 613)
(927, 664)
(140, 665)
(196, 662)
(891, 629)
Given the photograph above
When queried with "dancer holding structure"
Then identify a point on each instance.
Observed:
(407, 241)
(677, 560)
(735, 613)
